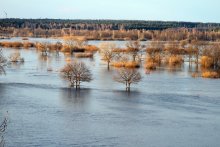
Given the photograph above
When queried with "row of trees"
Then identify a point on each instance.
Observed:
(101, 24)
(77, 72)
(174, 34)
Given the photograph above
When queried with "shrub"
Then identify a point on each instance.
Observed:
(16, 44)
(132, 64)
(129, 64)
(210, 74)
(16, 57)
(206, 62)
(150, 65)
(28, 44)
(174, 60)
(91, 48)
(83, 55)
(65, 49)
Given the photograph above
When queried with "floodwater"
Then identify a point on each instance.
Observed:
(166, 109)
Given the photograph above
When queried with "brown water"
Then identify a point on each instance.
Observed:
(167, 108)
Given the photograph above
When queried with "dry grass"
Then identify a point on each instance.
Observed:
(28, 44)
(206, 62)
(129, 64)
(91, 48)
(83, 55)
(174, 60)
(150, 65)
(17, 44)
(210, 74)
(11, 44)
(65, 49)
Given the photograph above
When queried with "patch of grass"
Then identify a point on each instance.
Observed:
(91, 48)
(150, 66)
(174, 60)
(129, 64)
(83, 55)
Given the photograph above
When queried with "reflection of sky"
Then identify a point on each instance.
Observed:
(174, 10)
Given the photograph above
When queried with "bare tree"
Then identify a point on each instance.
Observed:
(107, 52)
(135, 48)
(43, 47)
(74, 43)
(16, 57)
(127, 77)
(3, 127)
(2, 62)
(76, 73)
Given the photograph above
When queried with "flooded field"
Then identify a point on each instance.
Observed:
(167, 108)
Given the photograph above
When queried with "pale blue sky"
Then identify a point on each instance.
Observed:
(167, 10)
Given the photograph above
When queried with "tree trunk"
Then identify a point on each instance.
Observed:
(108, 65)
(129, 87)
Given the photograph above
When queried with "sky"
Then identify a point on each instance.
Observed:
(164, 10)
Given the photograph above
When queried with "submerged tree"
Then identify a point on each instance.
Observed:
(135, 48)
(75, 44)
(43, 47)
(107, 52)
(127, 77)
(2, 62)
(76, 73)
(16, 57)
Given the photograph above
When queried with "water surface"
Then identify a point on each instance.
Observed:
(167, 108)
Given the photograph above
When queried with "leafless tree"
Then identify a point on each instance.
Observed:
(43, 47)
(135, 48)
(3, 127)
(58, 47)
(75, 43)
(127, 77)
(2, 62)
(107, 52)
(76, 73)
(16, 57)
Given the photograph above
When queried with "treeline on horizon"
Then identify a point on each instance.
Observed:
(110, 29)
(87, 24)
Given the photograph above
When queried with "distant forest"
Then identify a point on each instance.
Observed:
(110, 29)
(102, 24)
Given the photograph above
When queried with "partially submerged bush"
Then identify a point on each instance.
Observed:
(91, 48)
(128, 64)
(16, 57)
(83, 55)
(210, 74)
(28, 44)
(150, 65)
(174, 60)
(11, 44)
(206, 62)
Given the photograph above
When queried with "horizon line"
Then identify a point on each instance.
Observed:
(181, 21)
